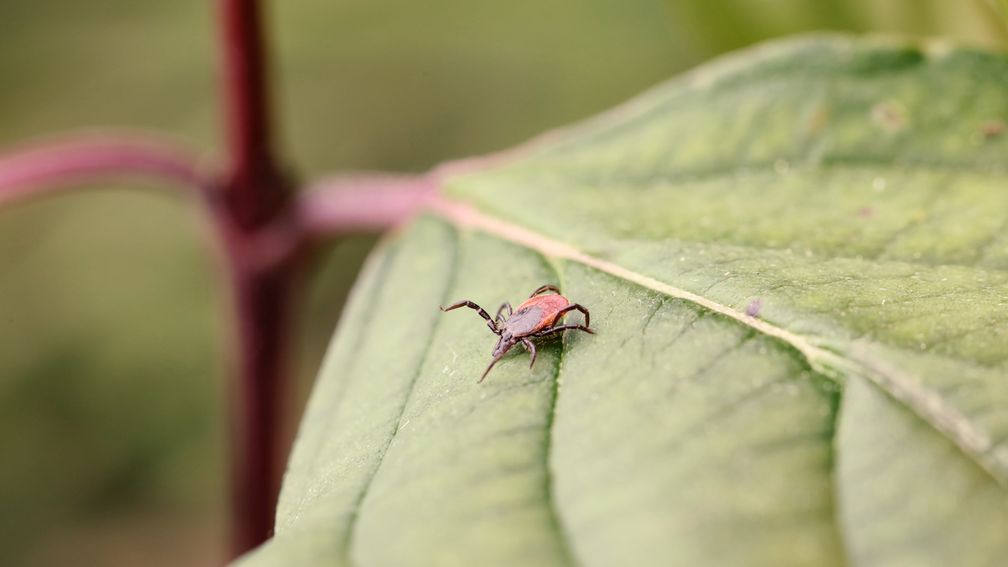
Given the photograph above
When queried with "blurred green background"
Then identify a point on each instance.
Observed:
(113, 322)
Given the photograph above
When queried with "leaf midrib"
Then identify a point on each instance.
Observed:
(923, 402)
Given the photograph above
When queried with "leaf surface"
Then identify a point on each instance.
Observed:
(797, 264)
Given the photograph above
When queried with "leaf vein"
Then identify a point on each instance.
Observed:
(562, 537)
(358, 505)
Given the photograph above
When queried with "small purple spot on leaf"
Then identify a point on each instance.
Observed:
(992, 129)
(754, 307)
(817, 120)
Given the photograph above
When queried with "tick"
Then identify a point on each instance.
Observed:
(538, 317)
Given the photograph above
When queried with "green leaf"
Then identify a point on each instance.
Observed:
(797, 264)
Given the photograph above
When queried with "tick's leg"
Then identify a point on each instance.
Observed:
(503, 306)
(544, 289)
(482, 313)
(574, 307)
(561, 328)
(530, 346)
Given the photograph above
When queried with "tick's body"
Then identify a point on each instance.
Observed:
(537, 313)
(537, 317)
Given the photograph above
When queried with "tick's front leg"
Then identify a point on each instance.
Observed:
(482, 313)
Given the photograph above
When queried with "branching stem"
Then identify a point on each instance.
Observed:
(263, 227)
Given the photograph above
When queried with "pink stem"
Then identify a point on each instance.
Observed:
(376, 201)
(59, 165)
(362, 202)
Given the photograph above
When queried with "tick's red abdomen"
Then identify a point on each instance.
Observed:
(548, 306)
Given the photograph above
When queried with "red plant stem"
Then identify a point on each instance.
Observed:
(256, 191)
(263, 310)
(262, 246)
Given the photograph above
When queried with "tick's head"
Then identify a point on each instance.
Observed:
(503, 345)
